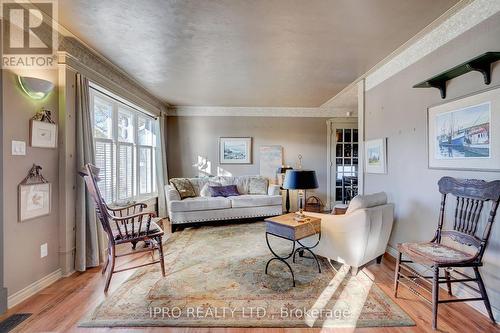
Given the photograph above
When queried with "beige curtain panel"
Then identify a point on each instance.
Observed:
(89, 250)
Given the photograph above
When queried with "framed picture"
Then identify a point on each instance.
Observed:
(463, 133)
(43, 134)
(34, 200)
(235, 150)
(376, 156)
(271, 158)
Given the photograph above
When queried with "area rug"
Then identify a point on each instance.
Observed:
(215, 278)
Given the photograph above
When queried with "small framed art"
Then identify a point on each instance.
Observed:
(43, 134)
(34, 200)
(376, 156)
(235, 150)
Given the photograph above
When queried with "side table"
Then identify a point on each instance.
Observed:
(285, 226)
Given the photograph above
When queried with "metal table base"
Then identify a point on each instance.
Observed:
(301, 249)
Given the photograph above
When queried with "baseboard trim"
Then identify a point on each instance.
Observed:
(68, 274)
(33, 288)
(458, 291)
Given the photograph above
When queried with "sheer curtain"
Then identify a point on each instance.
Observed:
(89, 236)
(161, 164)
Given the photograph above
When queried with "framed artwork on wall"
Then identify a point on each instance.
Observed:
(235, 150)
(376, 156)
(271, 158)
(34, 201)
(462, 134)
(34, 195)
(43, 134)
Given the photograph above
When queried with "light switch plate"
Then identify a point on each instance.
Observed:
(18, 147)
(43, 250)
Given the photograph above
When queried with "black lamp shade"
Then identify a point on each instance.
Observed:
(300, 180)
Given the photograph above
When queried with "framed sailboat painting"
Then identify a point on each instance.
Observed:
(464, 133)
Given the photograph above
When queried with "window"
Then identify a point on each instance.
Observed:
(125, 148)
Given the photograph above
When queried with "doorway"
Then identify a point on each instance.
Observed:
(343, 160)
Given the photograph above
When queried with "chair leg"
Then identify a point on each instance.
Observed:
(396, 274)
(162, 260)
(482, 289)
(134, 244)
(152, 252)
(379, 258)
(435, 297)
(111, 269)
(448, 282)
(106, 263)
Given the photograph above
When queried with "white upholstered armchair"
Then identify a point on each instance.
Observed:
(360, 235)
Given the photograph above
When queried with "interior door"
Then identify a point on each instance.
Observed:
(344, 160)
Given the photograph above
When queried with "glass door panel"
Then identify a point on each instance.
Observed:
(346, 164)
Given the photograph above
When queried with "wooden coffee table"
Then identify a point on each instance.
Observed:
(285, 226)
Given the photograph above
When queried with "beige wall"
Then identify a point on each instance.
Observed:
(22, 262)
(396, 110)
(190, 137)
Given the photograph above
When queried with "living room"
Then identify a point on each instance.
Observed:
(250, 165)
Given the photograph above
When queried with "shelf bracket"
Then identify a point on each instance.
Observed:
(483, 68)
(441, 85)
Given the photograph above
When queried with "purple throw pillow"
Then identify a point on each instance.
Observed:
(224, 191)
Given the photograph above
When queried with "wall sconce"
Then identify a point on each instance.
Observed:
(35, 88)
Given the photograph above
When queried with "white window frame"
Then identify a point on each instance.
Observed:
(117, 104)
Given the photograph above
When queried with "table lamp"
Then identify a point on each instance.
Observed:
(281, 171)
(300, 180)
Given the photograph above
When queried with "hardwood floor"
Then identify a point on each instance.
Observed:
(61, 306)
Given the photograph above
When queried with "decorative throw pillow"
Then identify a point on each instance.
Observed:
(205, 190)
(257, 185)
(224, 191)
(184, 187)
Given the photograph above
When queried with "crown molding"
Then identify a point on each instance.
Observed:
(224, 111)
(77, 56)
(469, 14)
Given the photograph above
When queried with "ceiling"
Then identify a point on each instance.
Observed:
(288, 53)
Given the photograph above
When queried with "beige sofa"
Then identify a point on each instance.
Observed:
(204, 208)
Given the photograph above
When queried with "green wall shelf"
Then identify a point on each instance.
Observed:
(480, 64)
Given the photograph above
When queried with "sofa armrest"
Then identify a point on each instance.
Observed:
(273, 189)
(171, 193)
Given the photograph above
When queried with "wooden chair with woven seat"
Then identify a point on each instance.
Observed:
(461, 247)
(124, 225)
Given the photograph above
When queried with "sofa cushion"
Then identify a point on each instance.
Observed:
(241, 182)
(198, 184)
(257, 185)
(367, 201)
(199, 203)
(184, 187)
(255, 200)
(205, 190)
(224, 191)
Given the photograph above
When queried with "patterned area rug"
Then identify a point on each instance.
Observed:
(215, 278)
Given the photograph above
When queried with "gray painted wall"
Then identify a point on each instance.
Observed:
(190, 137)
(22, 261)
(396, 110)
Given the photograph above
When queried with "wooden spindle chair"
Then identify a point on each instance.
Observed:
(124, 225)
(460, 247)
